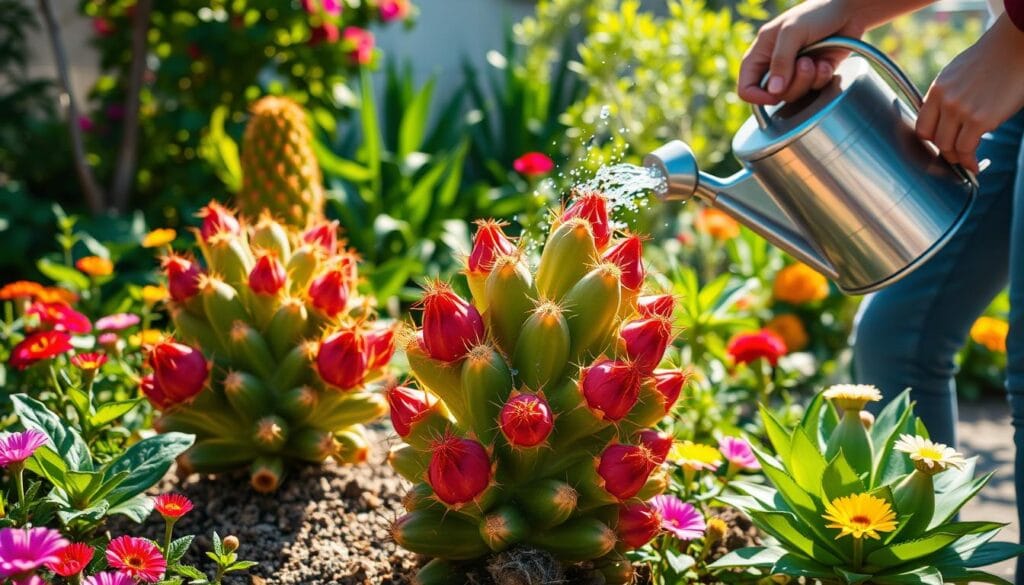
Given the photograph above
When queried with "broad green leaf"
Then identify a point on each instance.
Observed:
(243, 565)
(111, 411)
(850, 577)
(372, 142)
(889, 463)
(64, 439)
(333, 164)
(793, 533)
(79, 398)
(47, 463)
(947, 504)
(779, 437)
(963, 575)
(796, 566)
(897, 554)
(921, 576)
(136, 508)
(62, 274)
(92, 514)
(839, 478)
(806, 463)
(414, 119)
(147, 461)
(751, 556)
(189, 572)
(802, 504)
(178, 548)
(81, 485)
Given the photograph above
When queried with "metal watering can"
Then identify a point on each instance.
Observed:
(838, 179)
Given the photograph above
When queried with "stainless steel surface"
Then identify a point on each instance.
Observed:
(839, 180)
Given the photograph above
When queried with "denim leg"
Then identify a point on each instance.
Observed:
(908, 334)
(1015, 348)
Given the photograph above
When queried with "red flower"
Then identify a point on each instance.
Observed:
(533, 164)
(359, 44)
(459, 470)
(325, 32)
(451, 326)
(638, 524)
(172, 506)
(324, 235)
(592, 207)
(342, 359)
(669, 383)
(329, 292)
(102, 27)
(748, 347)
(489, 243)
(628, 255)
(408, 406)
(646, 341)
(89, 362)
(526, 420)
(39, 346)
(180, 371)
(394, 10)
(182, 277)
(60, 316)
(656, 305)
(137, 557)
(217, 219)
(267, 277)
(625, 469)
(73, 559)
(610, 388)
(380, 345)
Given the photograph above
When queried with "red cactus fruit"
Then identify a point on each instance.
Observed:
(659, 443)
(646, 340)
(451, 326)
(459, 470)
(610, 387)
(489, 243)
(526, 420)
(341, 360)
(656, 305)
(625, 469)
(267, 277)
(670, 383)
(592, 207)
(380, 345)
(628, 255)
(324, 235)
(152, 391)
(182, 277)
(408, 405)
(217, 219)
(329, 292)
(179, 371)
(638, 524)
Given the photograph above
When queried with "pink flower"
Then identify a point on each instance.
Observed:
(172, 506)
(102, 27)
(26, 549)
(17, 447)
(533, 164)
(117, 322)
(332, 7)
(85, 124)
(326, 32)
(359, 44)
(108, 340)
(679, 517)
(137, 557)
(109, 578)
(60, 316)
(394, 10)
(738, 453)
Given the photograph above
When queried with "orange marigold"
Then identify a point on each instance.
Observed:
(716, 223)
(791, 329)
(990, 333)
(95, 266)
(798, 284)
(56, 294)
(20, 289)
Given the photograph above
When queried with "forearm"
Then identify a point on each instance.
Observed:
(868, 14)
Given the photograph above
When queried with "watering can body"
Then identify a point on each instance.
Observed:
(839, 179)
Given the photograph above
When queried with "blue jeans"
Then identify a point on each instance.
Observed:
(908, 334)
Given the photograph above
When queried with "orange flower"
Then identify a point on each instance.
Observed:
(716, 224)
(990, 333)
(20, 289)
(791, 329)
(159, 237)
(56, 294)
(95, 266)
(798, 284)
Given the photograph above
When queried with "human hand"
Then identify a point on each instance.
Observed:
(979, 90)
(779, 42)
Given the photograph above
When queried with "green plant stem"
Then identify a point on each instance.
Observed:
(19, 482)
(220, 574)
(858, 553)
(168, 532)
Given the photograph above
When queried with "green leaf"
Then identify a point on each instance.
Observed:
(81, 485)
(962, 575)
(46, 463)
(64, 439)
(793, 533)
(797, 566)
(806, 463)
(839, 478)
(147, 461)
(221, 151)
(178, 548)
(947, 504)
(920, 576)
(897, 554)
(111, 411)
(63, 274)
(188, 571)
(372, 143)
(779, 437)
(850, 577)
(135, 509)
(414, 120)
(752, 556)
(333, 164)
(243, 565)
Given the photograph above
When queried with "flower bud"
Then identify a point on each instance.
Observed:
(459, 470)
(329, 292)
(341, 360)
(267, 277)
(182, 277)
(180, 371)
(231, 544)
(324, 235)
(526, 420)
(489, 243)
(217, 219)
(451, 326)
(638, 524)
(659, 443)
(669, 383)
(408, 405)
(867, 419)
(380, 345)
(645, 341)
(625, 469)
(656, 305)
(610, 387)
(592, 207)
(628, 255)
(152, 391)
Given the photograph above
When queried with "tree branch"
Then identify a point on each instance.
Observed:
(127, 156)
(94, 196)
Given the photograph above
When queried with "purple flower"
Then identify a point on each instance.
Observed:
(679, 517)
(26, 549)
(109, 578)
(117, 322)
(738, 453)
(17, 447)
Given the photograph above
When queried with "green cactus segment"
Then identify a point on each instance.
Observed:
(440, 572)
(279, 169)
(506, 470)
(266, 405)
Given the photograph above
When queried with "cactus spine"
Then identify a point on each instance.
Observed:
(529, 425)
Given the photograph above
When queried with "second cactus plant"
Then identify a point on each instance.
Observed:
(274, 357)
(530, 425)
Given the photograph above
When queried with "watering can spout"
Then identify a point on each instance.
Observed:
(740, 196)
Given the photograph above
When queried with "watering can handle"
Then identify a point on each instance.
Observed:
(878, 59)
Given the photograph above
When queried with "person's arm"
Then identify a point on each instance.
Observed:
(780, 40)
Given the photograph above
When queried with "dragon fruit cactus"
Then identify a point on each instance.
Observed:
(274, 355)
(529, 426)
(279, 168)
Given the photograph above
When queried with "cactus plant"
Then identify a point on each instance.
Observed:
(274, 352)
(529, 428)
(279, 170)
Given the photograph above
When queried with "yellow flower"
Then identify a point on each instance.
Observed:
(798, 284)
(716, 531)
(95, 266)
(716, 224)
(929, 457)
(860, 515)
(791, 329)
(695, 457)
(852, 397)
(990, 333)
(146, 337)
(159, 237)
(152, 295)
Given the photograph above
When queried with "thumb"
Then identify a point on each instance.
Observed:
(787, 46)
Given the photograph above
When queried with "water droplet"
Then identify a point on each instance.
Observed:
(605, 111)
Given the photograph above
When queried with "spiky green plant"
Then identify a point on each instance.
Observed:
(530, 425)
(865, 500)
(280, 172)
(293, 353)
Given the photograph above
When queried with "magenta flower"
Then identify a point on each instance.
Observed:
(26, 549)
(107, 340)
(109, 578)
(738, 453)
(679, 517)
(533, 164)
(117, 322)
(17, 447)
(85, 124)
(332, 7)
